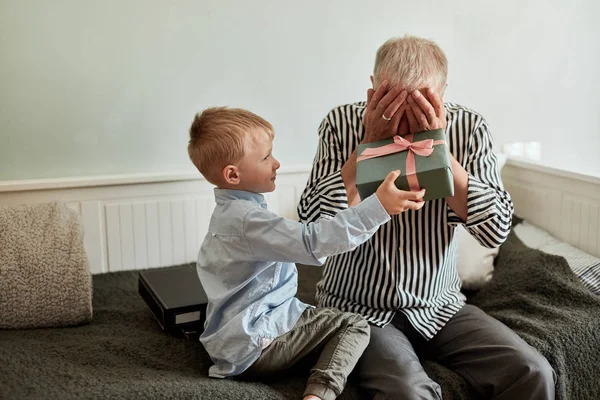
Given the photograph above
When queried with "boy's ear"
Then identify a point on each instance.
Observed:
(231, 175)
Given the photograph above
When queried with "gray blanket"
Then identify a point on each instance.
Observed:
(123, 353)
(540, 298)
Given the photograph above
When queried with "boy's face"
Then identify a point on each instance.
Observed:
(258, 168)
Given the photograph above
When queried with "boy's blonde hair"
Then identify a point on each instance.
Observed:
(218, 137)
(412, 62)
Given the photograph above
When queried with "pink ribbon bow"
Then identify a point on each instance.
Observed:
(423, 148)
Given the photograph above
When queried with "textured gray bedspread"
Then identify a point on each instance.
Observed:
(123, 354)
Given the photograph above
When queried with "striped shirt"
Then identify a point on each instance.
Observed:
(409, 265)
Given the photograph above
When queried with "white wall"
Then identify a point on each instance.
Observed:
(90, 87)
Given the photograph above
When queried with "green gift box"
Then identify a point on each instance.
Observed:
(423, 160)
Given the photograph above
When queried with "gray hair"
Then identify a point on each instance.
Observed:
(412, 62)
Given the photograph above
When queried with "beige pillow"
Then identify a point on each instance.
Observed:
(45, 280)
(475, 263)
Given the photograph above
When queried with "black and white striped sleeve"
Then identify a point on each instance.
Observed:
(325, 193)
(489, 206)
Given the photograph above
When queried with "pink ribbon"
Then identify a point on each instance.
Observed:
(423, 148)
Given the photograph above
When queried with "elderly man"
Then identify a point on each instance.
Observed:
(404, 279)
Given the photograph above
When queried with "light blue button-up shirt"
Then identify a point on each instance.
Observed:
(246, 265)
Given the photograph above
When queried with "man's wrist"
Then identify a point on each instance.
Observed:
(348, 173)
(459, 172)
(366, 139)
(349, 169)
(459, 202)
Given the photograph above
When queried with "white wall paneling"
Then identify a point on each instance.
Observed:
(563, 203)
(136, 222)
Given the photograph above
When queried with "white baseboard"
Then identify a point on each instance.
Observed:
(144, 221)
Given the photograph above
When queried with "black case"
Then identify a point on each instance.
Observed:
(175, 296)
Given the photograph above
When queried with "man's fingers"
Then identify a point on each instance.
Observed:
(425, 107)
(379, 93)
(387, 100)
(397, 118)
(403, 127)
(436, 102)
(370, 92)
(390, 111)
(412, 121)
(419, 116)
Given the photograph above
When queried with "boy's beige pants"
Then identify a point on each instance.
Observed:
(335, 339)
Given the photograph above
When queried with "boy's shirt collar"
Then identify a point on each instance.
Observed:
(223, 195)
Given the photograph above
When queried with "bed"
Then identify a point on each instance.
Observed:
(123, 353)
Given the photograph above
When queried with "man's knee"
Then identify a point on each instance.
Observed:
(536, 372)
(541, 370)
(410, 389)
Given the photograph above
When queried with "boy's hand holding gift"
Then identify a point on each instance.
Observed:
(397, 201)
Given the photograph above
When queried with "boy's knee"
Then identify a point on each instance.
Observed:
(358, 322)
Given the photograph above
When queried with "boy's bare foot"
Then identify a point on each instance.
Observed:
(311, 397)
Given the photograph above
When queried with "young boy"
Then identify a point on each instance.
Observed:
(255, 326)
